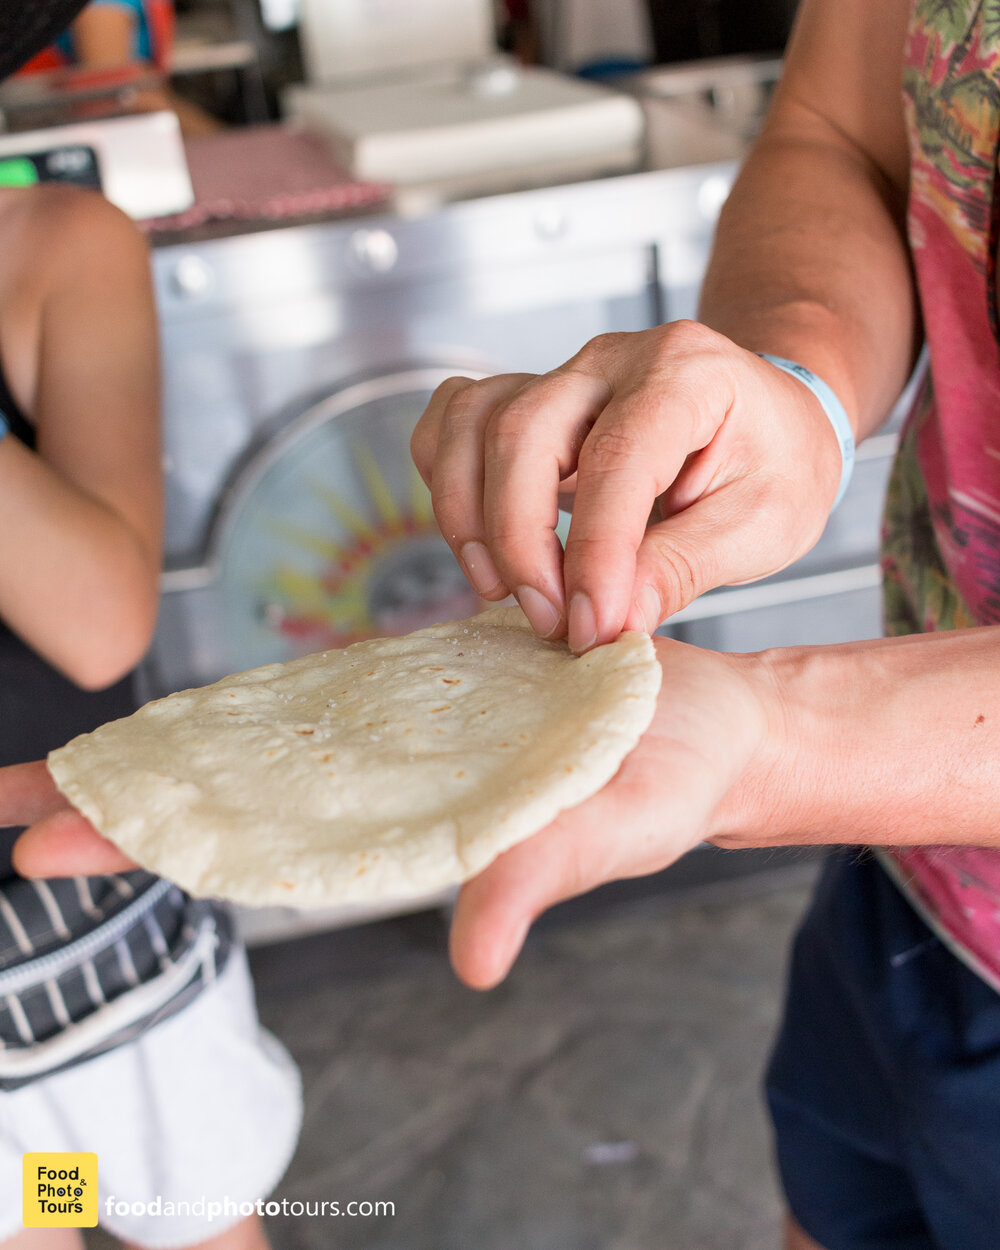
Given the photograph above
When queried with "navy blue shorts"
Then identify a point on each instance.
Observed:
(884, 1086)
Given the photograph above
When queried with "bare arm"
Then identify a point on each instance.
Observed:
(80, 517)
(104, 36)
(810, 260)
(893, 742)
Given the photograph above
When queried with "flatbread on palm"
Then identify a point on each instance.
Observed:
(386, 770)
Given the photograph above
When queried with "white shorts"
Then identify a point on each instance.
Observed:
(205, 1107)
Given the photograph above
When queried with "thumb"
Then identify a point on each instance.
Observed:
(496, 909)
(66, 844)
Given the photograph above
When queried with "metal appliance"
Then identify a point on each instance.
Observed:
(298, 360)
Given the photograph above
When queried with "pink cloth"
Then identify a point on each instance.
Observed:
(265, 173)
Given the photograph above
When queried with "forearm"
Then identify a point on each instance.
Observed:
(810, 264)
(811, 260)
(67, 557)
(891, 742)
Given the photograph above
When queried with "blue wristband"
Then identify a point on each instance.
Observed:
(4, 427)
(835, 413)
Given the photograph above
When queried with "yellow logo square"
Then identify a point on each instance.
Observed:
(60, 1190)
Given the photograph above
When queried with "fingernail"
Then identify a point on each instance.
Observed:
(542, 614)
(648, 603)
(479, 568)
(582, 623)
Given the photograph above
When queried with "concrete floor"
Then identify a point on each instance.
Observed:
(606, 1097)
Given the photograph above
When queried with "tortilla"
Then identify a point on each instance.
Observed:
(389, 769)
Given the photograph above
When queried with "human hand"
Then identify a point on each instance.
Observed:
(59, 841)
(694, 464)
(694, 775)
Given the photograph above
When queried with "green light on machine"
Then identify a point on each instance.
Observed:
(17, 171)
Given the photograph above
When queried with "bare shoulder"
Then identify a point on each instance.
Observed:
(69, 227)
(69, 260)
(54, 236)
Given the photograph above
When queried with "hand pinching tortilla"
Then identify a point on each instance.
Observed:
(386, 770)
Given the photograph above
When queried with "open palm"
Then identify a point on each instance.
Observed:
(668, 796)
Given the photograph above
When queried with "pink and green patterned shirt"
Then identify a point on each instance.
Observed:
(941, 543)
